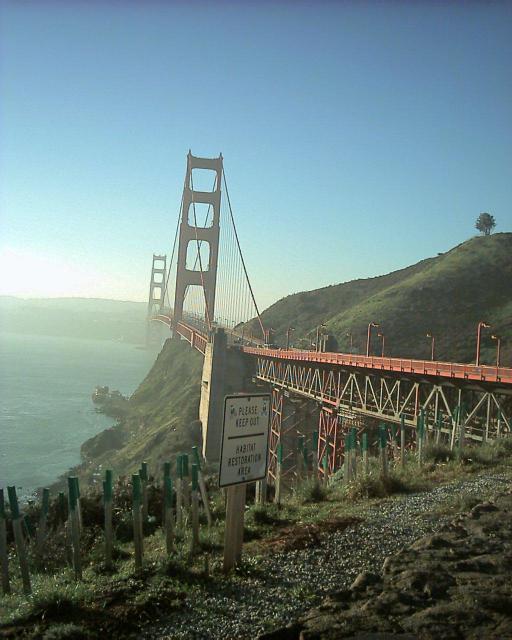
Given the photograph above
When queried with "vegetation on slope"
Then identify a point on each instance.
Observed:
(447, 295)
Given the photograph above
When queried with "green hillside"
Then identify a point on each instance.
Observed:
(447, 295)
(161, 417)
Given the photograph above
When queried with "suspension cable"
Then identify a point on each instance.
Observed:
(241, 255)
(166, 290)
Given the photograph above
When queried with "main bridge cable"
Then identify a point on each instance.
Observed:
(166, 290)
(199, 253)
(241, 255)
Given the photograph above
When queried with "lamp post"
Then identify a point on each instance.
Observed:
(433, 345)
(481, 325)
(322, 326)
(369, 336)
(349, 335)
(498, 349)
(288, 332)
(381, 335)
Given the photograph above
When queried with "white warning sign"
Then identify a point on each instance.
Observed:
(243, 456)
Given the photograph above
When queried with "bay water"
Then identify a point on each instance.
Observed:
(46, 411)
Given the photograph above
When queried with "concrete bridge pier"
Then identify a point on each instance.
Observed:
(225, 371)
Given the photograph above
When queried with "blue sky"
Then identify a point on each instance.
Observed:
(358, 137)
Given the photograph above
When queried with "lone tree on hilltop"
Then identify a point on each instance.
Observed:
(485, 223)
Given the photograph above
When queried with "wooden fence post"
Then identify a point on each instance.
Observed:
(353, 464)
(41, 529)
(143, 473)
(186, 483)
(402, 440)
(279, 464)
(195, 509)
(314, 451)
(107, 506)
(74, 520)
(4, 557)
(366, 462)
(383, 450)
(137, 520)
(179, 493)
(18, 539)
(202, 487)
(299, 458)
(168, 515)
(419, 437)
(325, 466)
(347, 459)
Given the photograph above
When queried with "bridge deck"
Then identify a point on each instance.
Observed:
(429, 368)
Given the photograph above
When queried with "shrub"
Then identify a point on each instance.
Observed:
(67, 631)
(311, 490)
(438, 453)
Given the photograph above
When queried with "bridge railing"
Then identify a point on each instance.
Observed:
(483, 373)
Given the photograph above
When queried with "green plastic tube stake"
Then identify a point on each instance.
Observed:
(144, 471)
(300, 444)
(46, 501)
(72, 497)
(167, 469)
(107, 486)
(280, 453)
(136, 488)
(394, 432)
(324, 465)
(382, 436)
(2, 505)
(168, 491)
(195, 476)
(179, 466)
(353, 433)
(184, 459)
(197, 459)
(348, 442)
(365, 442)
(77, 487)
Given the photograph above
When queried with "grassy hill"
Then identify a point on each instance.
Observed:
(447, 295)
(159, 420)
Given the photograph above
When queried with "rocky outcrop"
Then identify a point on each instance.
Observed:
(455, 584)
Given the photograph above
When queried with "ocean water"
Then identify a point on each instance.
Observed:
(46, 411)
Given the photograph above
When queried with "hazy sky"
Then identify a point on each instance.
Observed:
(358, 137)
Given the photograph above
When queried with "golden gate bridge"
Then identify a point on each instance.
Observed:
(214, 309)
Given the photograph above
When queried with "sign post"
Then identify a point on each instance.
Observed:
(243, 459)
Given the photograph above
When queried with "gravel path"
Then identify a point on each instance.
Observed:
(287, 583)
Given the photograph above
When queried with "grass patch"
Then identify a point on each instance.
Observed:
(310, 491)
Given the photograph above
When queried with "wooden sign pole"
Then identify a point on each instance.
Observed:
(233, 536)
(4, 558)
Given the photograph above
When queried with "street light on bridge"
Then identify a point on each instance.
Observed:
(381, 335)
(433, 344)
(481, 325)
(288, 332)
(321, 326)
(369, 336)
(498, 349)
